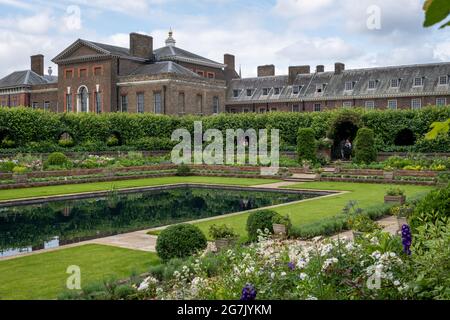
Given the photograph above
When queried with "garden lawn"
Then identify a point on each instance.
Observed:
(365, 194)
(102, 186)
(43, 276)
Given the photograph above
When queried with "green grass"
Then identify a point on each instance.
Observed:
(365, 194)
(43, 276)
(102, 186)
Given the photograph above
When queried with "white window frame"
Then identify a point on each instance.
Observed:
(392, 101)
(35, 105)
(421, 82)
(444, 100)
(275, 91)
(370, 105)
(347, 104)
(266, 93)
(319, 88)
(446, 80)
(296, 88)
(397, 81)
(298, 107)
(251, 92)
(374, 85)
(319, 105)
(122, 97)
(137, 102)
(416, 104)
(216, 105)
(158, 104)
(349, 84)
(238, 93)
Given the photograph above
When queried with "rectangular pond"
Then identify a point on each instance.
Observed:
(37, 224)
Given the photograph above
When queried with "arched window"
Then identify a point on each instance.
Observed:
(83, 99)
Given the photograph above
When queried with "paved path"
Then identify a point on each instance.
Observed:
(275, 185)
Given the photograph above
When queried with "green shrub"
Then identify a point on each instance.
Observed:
(395, 192)
(8, 143)
(57, 159)
(66, 143)
(365, 150)
(180, 241)
(153, 144)
(306, 145)
(183, 171)
(222, 232)
(6, 166)
(434, 206)
(112, 141)
(440, 144)
(19, 170)
(260, 220)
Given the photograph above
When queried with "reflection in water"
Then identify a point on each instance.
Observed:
(55, 223)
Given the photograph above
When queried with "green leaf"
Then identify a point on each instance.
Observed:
(437, 129)
(436, 11)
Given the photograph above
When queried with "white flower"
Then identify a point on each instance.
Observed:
(303, 276)
(144, 286)
(311, 298)
(283, 274)
(397, 283)
(328, 263)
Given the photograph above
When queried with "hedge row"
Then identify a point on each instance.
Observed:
(24, 125)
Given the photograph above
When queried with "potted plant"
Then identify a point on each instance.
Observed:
(20, 174)
(281, 225)
(223, 235)
(361, 224)
(306, 164)
(402, 213)
(395, 195)
(388, 173)
(318, 172)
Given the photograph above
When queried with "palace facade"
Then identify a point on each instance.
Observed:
(96, 77)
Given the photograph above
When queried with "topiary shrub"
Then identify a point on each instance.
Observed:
(180, 241)
(57, 159)
(260, 220)
(365, 150)
(306, 145)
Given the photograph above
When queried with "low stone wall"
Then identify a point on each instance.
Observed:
(382, 156)
(405, 173)
(378, 181)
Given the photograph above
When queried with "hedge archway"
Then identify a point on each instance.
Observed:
(344, 126)
(405, 137)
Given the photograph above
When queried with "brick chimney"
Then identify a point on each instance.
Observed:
(141, 46)
(230, 62)
(37, 64)
(296, 70)
(266, 71)
(339, 68)
(320, 68)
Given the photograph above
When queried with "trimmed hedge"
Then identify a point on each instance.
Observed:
(365, 150)
(180, 241)
(38, 129)
(306, 145)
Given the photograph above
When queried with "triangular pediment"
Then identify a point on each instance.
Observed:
(81, 49)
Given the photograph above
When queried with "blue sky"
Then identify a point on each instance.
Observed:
(280, 32)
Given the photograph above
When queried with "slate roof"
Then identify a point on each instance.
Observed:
(26, 78)
(164, 67)
(333, 85)
(173, 53)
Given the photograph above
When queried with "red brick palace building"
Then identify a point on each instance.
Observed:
(96, 77)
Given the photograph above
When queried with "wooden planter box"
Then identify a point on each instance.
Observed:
(388, 175)
(279, 230)
(224, 243)
(20, 178)
(395, 199)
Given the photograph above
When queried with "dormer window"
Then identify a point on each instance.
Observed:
(372, 84)
(443, 80)
(395, 83)
(349, 85)
(265, 91)
(418, 82)
(236, 93)
(320, 88)
(249, 92)
(296, 89)
(277, 91)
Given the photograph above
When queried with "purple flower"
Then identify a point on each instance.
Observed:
(406, 239)
(248, 293)
(291, 266)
